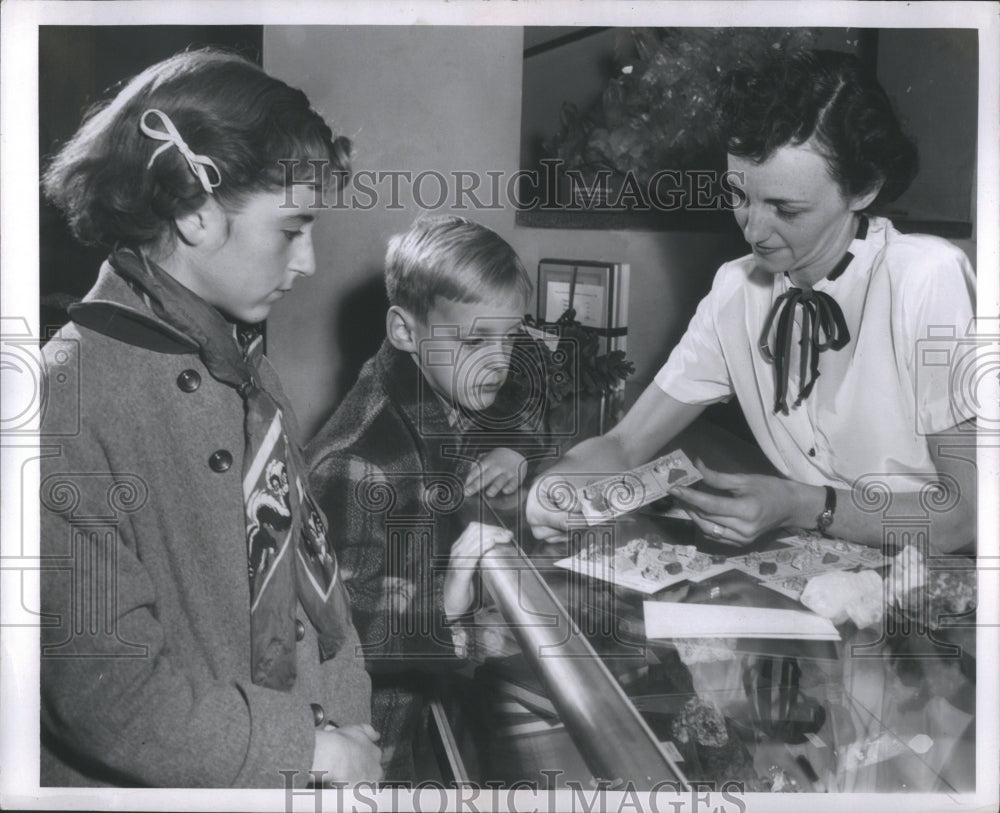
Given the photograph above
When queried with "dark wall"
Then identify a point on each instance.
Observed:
(77, 67)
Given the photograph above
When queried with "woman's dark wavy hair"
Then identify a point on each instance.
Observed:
(827, 96)
(225, 108)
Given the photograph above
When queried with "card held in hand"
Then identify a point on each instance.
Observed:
(603, 500)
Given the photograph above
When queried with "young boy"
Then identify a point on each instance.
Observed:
(391, 467)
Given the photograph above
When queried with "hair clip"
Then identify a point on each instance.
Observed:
(172, 137)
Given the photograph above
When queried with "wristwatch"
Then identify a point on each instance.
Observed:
(825, 520)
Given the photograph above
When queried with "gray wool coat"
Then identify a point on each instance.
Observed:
(145, 665)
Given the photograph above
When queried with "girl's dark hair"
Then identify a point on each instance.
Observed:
(226, 108)
(827, 96)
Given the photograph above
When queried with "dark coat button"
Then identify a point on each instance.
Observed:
(189, 380)
(319, 716)
(220, 460)
(812, 452)
(300, 629)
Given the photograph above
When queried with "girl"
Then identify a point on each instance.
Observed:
(199, 638)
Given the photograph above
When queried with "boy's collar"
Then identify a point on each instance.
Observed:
(402, 381)
(456, 419)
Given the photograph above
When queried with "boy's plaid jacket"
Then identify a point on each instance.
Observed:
(388, 469)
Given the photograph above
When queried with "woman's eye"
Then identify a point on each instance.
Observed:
(788, 214)
(291, 234)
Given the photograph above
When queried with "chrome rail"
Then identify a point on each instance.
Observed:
(615, 742)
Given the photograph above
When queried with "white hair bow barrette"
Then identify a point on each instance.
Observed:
(199, 163)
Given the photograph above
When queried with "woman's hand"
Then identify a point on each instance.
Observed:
(475, 540)
(650, 424)
(500, 470)
(752, 505)
(551, 502)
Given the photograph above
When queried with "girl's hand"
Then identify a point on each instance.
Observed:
(500, 470)
(475, 540)
(752, 505)
(347, 754)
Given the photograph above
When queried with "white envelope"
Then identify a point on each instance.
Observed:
(667, 619)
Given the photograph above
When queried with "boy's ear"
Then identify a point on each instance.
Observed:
(400, 329)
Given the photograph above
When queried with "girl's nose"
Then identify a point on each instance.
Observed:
(304, 259)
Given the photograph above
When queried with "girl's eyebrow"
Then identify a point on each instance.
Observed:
(299, 218)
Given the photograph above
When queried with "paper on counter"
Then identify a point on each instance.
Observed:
(603, 500)
(674, 512)
(804, 556)
(666, 619)
(640, 564)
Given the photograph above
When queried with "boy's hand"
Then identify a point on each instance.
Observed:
(500, 470)
(475, 540)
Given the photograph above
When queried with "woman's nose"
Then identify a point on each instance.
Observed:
(755, 224)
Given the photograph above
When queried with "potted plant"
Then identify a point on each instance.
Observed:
(580, 382)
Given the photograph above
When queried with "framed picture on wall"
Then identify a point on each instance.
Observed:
(598, 295)
(597, 291)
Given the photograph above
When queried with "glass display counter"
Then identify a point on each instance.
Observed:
(888, 707)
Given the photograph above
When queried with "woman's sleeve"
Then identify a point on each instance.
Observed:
(696, 371)
(934, 325)
(116, 702)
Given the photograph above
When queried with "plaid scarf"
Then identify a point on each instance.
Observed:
(287, 550)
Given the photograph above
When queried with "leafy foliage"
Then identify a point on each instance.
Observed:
(576, 367)
(658, 112)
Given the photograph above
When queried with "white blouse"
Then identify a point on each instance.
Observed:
(908, 301)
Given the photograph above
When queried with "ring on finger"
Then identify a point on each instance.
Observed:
(717, 529)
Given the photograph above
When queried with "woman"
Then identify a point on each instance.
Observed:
(816, 331)
(200, 639)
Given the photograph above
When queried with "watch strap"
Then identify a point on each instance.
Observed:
(825, 519)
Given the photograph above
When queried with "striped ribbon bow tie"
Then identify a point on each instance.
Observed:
(823, 328)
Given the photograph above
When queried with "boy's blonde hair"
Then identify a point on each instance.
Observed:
(453, 258)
